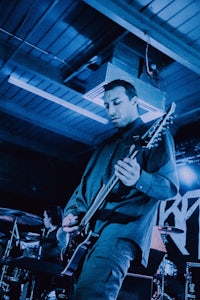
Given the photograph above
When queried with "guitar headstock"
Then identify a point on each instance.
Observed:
(152, 137)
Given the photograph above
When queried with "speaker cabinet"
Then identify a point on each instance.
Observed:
(136, 287)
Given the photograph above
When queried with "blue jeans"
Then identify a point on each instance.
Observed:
(104, 269)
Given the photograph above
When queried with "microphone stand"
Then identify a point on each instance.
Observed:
(14, 234)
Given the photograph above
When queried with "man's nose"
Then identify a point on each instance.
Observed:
(111, 110)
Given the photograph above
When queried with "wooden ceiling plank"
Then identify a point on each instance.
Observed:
(49, 124)
(140, 25)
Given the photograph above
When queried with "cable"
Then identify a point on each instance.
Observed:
(150, 73)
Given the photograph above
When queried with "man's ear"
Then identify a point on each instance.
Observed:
(134, 100)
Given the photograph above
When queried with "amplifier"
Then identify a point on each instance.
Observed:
(137, 287)
(192, 282)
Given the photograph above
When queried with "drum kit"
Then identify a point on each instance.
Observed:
(167, 269)
(21, 256)
(21, 259)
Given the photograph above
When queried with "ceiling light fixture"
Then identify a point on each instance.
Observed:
(30, 88)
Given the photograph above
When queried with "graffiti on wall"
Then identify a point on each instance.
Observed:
(183, 213)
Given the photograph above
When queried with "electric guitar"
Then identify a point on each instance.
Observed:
(79, 242)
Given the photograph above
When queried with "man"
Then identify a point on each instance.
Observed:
(50, 256)
(125, 221)
(51, 248)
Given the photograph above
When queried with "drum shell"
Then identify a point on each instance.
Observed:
(31, 249)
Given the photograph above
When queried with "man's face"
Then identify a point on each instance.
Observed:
(46, 220)
(119, 107)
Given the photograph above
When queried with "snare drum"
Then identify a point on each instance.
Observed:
(31, 249)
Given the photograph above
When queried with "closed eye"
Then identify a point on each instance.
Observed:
(116, 102)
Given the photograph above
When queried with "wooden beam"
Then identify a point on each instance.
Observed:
(148, 30)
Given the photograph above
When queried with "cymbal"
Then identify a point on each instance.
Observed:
(30, 236)
(169, 229)
(21, 217)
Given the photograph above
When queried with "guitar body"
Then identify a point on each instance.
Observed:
(76, 252)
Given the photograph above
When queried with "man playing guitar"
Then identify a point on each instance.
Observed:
(144, 174)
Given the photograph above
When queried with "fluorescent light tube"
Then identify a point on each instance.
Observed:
(30, 88)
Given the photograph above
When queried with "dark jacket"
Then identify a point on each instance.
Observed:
(129, 212)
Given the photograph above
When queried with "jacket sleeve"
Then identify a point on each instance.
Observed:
(159, 179)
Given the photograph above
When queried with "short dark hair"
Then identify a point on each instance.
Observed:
(55, 212)
(130, 89)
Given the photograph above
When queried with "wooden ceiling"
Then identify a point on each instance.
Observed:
(55, 55)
